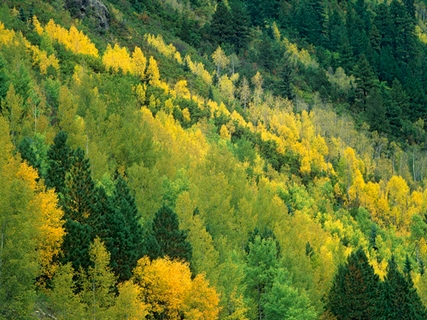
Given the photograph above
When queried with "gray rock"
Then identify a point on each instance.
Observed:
(89, 8)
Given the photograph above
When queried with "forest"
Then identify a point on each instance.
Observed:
(204, 159)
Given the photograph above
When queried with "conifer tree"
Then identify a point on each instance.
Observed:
(399, 299)
(221, 28)
(354, 289)
(170, 240)
(59, 157)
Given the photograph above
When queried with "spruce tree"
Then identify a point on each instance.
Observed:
(399, 299)
(221, 27)
(172, 241)
(59, 158)
(354, 289)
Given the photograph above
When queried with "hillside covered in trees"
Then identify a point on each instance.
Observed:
(240, 159)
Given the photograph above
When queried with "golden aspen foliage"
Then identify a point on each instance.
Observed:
(181, 89)
(168, 50)
(74, 40)
(223, 133)
(42, 59)
(139, 63)
(37, 26)
(168, 289)
(226, 87)
(397, 192)
(63, 300)
(99, 281)
(118, 58)
(51, 230)
(128, 304)
(153, 73)
(221, 61)
(6, 36)
(186, 115)
(140, 92)
(257, 81)
(198, 68)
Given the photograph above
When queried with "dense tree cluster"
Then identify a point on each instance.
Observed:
(185, 164)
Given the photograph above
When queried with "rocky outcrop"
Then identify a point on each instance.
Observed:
(89, 8)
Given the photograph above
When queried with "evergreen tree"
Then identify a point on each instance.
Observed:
(172, 241)
(4, 80)
(59, 157)
(365, 79)
(399, 298)
(241, 22)
(284, 87)
(354, 289)
(120, 229)
(221, 28)
(376, 112)
(27, 152)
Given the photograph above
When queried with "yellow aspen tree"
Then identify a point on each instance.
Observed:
(129, 304)
(13, 110)
(181, 89)
(169, 290)
(64, 302)
(221, 61)
(244, 92)
(153, 73)
(398, 196)
(51, 230)
(257, 81)
(139, 63)
(99, 281)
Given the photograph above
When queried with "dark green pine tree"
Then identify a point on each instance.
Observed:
(4, 79)
(310, 20)
(397, 108)
(111, 227)
(365, 79)
(130, 230)
(399, 299)
(80, 198)
(262, 11)
(79, 204)
(26, 149)
(241, 22)
(59, 158)
(283, 87)
(354, 289)
(221, 28)
(376, 112)
(384, 24)
(76, 244)
(171, 241)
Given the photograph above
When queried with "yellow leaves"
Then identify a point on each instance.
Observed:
(139, 63)
(168, 288)
(41, 59)
(223, 133)
(117, 58)
(51, 230)
(6, 36)
(198, 68)
(153, 72)
(164, 283)
(421, 35)
(37, 26)
(167, 50)
(74, 40)
(181, 89)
